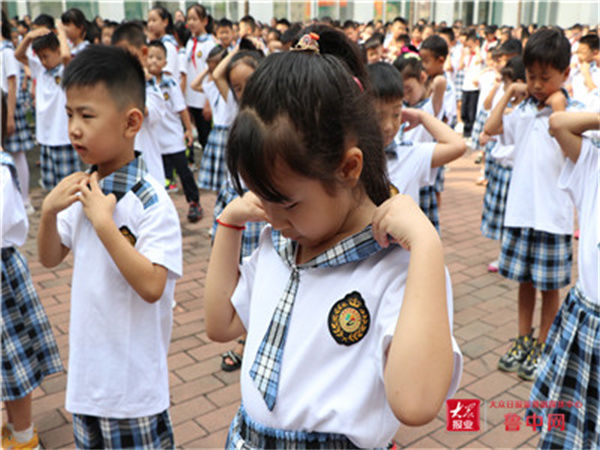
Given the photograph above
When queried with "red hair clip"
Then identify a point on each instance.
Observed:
(309, 42)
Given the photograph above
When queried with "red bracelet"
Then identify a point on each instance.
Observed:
(228, 225)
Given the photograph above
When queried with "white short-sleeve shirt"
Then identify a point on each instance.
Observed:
(409, 166)
(77, 48)
(9, 65)
(580, 181)
(14, 218)
(146, 141)
(170, 44)
(325, 386)
(590, 98)
(472, 70)
(196, 52)
(169, 130)
(224, 111)
(119, 342)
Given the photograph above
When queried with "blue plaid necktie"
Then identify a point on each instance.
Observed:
(266, 369)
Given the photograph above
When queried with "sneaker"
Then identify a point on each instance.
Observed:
(172, 188)
(194, 213)
(10, 443)
(512, 359)
(493, 266)
(528, 367)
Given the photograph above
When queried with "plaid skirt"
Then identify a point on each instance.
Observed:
(245, 433)
(480, 119)
(459, 80)
(57, 161)
(428, 204)
(29, 351)
(251, 234)
(494, 200)
(213, 168)
(568, 377)
(22, 139)
(541, 258)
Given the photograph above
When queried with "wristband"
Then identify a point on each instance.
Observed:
(228, 225)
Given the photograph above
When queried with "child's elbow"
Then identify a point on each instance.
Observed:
(417, 412)
(554, 122)
(152, 292)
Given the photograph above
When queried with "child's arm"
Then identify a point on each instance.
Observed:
(50, 249)
(493, 125)
(487, 103)
(219, 74)
(65, 51)
(21, 51)
(419, 365)
(567, 128)
(438, 89)
(187, 123)
(222, 322)
(146, 278)
(587, 77)
(557, 101)
(196, 84)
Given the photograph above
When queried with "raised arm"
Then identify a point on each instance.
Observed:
(567, 128)
(219, 74)
(493, 125)
(438, 89)
(488, 101)
(21, 51)
(196, 83)
(65, 51)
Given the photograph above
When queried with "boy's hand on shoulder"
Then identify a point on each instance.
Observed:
(248, 208)
(64, 193)
(557, 101)
(518, 91)
(97, 207)
(400, 220)
(412, 116)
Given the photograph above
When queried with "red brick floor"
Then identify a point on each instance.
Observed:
(204, 398)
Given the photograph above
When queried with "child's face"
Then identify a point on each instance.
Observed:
(433, 65)
(157, 60)
(73, 32)
(351, 33)
(414, 91)
(398, 29)
(107, 33)
(543, 81)
(375, 54)
(225, 36)
(245, 30)
(22, 30)
(195, 24)
(585, 54)
(238, 77)
(49, 58)
(156, 24)
(416, 35)
(389, 114)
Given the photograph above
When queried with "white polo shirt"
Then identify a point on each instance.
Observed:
(534, 199)
(119, 342)
(51, 120)
(170, 44)
(449, 106)
(580, 181)
(77, 48)
(14, 218)
(472, 70)
(9, 66)
(409, 166)
(196, 51)
(590, 98)
(224, 111)
(146, 141)
(325, 386)
(169, 130)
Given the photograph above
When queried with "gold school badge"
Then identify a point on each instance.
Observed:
(125, 231)
(393, 190)
(166, 95)
(349, 319)
(57, 79)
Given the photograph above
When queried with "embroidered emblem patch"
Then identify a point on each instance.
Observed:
(57, 79)
(199, 54)
(349, 319)
(166, 95)
(393, 190)
(125, 231)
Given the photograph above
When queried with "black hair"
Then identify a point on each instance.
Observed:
(217, 52)
(5, 29)
(224, 22)
(210, 24)
(511, 47)
(548, 47)
(448, 31)
(284, 21)
(291, 35)
(251, 58)
(47, 41)
(119, 70)
(110, 24)
(374, 41)
(402, 20)
(490, 29)
(164, 15)
(249, 20)
(93, 33)
(199, 9)
(277, 33)
(181, 33)
(514, 69)
(44, 20)
(158, 44)
(304, 109)
(22, 23)
(3, 119)
(350, 24)
(77, 18)
(129, 32)
(436, 45)
(386, 82)
(591, 40)
(409, 65)
(472, 35)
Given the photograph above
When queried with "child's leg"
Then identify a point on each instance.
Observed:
(168, 168)
(19, 412)
(190, 189)
(23, 174)
(526, 306)
(550, 303)
(46, 167)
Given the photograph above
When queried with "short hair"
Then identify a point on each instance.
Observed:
(22, 23)
(217, 52)
(436, 45)
(44, 20)
(448, 31)
(224, 23)
(249, 20)
(119, 70)
(591, 40)
(129, 32)
(511, 47)
(48, 41)
(409, 65)
(283, 21)
(291, 34)
(548, 47)
(514, 69)
(472, 35)
(386, 82)
(374, 41)
(350, 24)
(277, 33)
(402, 20)
(158, 44)
(490, 29)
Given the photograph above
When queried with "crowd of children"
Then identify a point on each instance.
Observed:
(326, 145)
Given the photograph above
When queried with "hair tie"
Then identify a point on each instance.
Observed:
(360, 86)
(308, 42)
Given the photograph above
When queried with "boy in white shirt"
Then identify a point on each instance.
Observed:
(471, 64)
(57, 155)
(585, 78)
(536, 243)
(125, 236)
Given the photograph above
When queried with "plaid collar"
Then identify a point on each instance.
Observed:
(202, 38)
(123, 179)
(419, 104)
(169, 38)
(54, 71)
(6, 44)
(532, 102)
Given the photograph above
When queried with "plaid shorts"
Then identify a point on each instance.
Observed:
(439, 179)
(245, 433)
(494, 200)
(568, 377)
(428, 204)
(150, 432)
(480, 119)
(459, 80)
(57, 161)
(541, 258)
(22, 139)
(29, 351)
(251, 234)
(213, 169)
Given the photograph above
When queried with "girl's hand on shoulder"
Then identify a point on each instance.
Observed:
(64, 193)
(247, 208)
(400, 220)
(412, 116)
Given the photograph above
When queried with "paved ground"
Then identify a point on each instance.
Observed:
(204, 398)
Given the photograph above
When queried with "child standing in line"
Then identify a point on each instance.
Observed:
(125, 237)
(322, 293)
(75, 25)
(472, 65)
(569, 371)
(171, 136)
(585, 78)
(160, 26)
(58, 157)
(536, 242)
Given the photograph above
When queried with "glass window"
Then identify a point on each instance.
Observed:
(467, 12)
(483, 12)
(280, 9)
(89, 9)
(497, 12)
(136, 10)
(53, 8)
(392, 9)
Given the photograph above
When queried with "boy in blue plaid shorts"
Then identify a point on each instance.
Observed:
(57, 155)
(536, 243)
(125, 236)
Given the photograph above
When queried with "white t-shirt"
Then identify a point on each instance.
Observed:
(486, 83)
(325, 386)
(169, 130)
(146, 141)
(472, 70)
(9, 66)
(119, 342)
(409, 167)
(534, 199)
(51, 120)
(170, 44)
(76, 49)
(224, 111)
(580, 181)
(196, 52)
(449, 106)
(590, 98)
(181, 63)
(418, 133)
(14, 217)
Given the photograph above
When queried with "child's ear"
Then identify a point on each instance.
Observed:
(134, 120)
(423, 77)
(351, 166)
(566, 73)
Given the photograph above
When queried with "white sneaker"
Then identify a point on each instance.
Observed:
(29, 209)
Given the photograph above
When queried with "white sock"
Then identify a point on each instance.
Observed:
(23, 436)
(10, 427)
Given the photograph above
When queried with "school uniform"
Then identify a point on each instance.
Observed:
(536, 243)
(171, 46)
(448, 116)
(590, 98)
(458, 76)
(569, 370)
(409, 166)
(470, 93)
(213, 168)
(118, 380)
(318, 337)
(57, 155)
(171, 137)
(29, 351)
(75, 49)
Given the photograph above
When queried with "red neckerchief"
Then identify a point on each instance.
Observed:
(194, 51)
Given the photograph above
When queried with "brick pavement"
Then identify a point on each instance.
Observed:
(204, 398)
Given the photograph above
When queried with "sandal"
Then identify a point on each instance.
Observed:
(230, 360)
